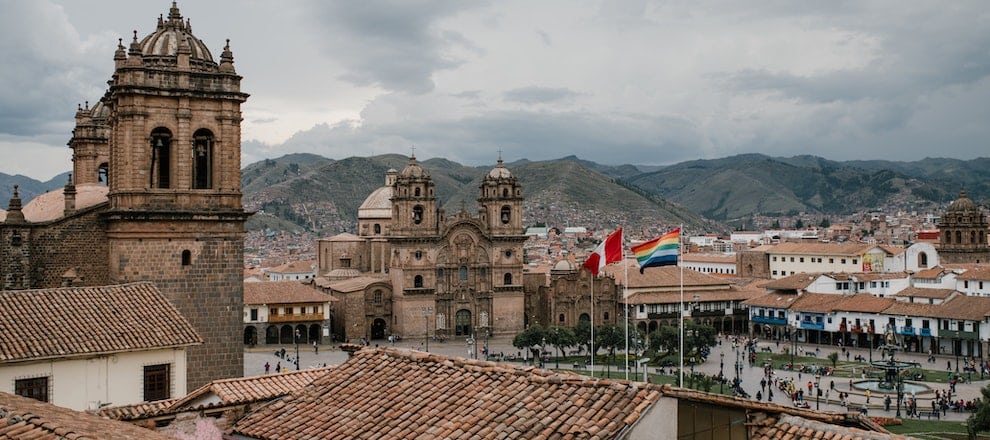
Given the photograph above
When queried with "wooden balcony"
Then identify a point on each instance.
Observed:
(307, 317)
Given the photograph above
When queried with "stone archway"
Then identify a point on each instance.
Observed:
(378, 328)
(462, 323)
(250, 335)
(271, 335)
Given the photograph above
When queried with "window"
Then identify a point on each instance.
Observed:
(508, 253)
(605, 316)
(254, 314)
(792, 259)
(855, 261)
(775, 258)
(273, 311)
(161, 144)
(843, 261)
(156, 382)
(186, 257)
(507, 279)
(418, 281)
(35, 388)
(831, 261)
(801, 259)
(416, 192)
(922, 259)
(775, 272)
(202, 159)
(463, 273)
(966, 284)
(561, 317)
(419, 255)
(378, 229)
(378, 297)
(418, 214)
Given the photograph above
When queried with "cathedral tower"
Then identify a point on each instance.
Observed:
(963, 233)
(414, 202)
(175, 214)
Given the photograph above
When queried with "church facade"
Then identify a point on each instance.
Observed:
(155, 193)
(414, 271)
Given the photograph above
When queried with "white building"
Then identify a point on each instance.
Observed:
(794, 258)
(286, 312)
(293, 271)
(86, 347)
(712, 264)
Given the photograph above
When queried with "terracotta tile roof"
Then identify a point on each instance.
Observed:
(24, 418)
(849, 249)
(979, 272)
(709, 258)
(816, 302)
(893, 250)
(831, 421)
(876, 276)
(913, 309)
(665, 276)
(970, 308)
(930, 274)
(862, 302)
(668, 297)
(221, 393)
(798, 281)
(773, 299)
(349, 285)
(283, 292)
(295, 267)
(918, 292)
(47, 323)
(396, 393)
(344, 236)
(788, 427)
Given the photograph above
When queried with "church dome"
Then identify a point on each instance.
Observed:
(171, 36)
(499, 172)
(963, 203)
(378, 204)
(413, 169)
(51, 205)
(564, 265)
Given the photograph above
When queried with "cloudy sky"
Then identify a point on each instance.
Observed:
(643, 82)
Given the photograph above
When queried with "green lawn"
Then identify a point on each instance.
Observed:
(849, 369)
(933, 430)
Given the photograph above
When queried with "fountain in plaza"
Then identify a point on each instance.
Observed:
(891, 381)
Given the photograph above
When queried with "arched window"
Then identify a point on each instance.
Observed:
(202, 163)
(922, 259)
(506, 214)
(418, 281)
(186, 257)
(417, 214)
(505, 192)
(161, 158)
(462, 273)
(416, 192)
(378, 229)
(560, 318)
(103, 174)
(507, 279)
(947, 238)
(958, 237)
(605, 317)
(972, 237)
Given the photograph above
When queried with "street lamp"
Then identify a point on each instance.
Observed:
(296, 338)
(487, 350)
(818, 391)
(543, 348)
(721, 373)
(426, 322)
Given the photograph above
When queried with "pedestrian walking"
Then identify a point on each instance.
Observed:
(267, 367)
(278, 367)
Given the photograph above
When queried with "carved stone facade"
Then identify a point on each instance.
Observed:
(571, 295)
(963, 233)
(444, 276)
(165, 142)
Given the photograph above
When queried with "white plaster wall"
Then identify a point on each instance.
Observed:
(84, 383)
(657, 422)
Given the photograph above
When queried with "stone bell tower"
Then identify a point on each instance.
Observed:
(175, 214)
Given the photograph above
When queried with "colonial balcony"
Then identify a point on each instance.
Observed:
(305, 317)
(664, 315)
(812, 325)
(956, 334)
(905, 330)
(705, 313)
(926, 331)
(768, 320)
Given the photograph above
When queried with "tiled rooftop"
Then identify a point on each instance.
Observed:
(47, 323)
(24, 418)
(798, 281)
(773, 299)
(283, 292)
(224, 392)
(918, 292)
(395, 393)
(979, 272)
(849, 249)
(788, 427)
(703, 296)
(660, 277)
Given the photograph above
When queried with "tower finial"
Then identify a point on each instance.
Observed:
(499, 156)
(413, 148)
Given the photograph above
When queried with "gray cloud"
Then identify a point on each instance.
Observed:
(535, 94)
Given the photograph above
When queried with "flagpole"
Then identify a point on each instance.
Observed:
(682, 302)
(592, 323)
(625, 291)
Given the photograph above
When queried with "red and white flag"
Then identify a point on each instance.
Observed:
(608, 252)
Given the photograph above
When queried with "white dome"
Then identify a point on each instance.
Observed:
(377, 205)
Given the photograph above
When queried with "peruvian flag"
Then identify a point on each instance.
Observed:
(608, 252)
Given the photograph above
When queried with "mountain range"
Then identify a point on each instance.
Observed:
(311, 193)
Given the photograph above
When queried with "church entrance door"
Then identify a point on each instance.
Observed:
(462, 324)
(378, 328)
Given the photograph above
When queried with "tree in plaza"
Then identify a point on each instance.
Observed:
(530, 339)
(979, 421)
(834, 357)
(609, 337)
(582, 335)
(665, 339)
(560, 338)
(696, 338)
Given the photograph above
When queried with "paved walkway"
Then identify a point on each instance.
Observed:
(255, 359)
